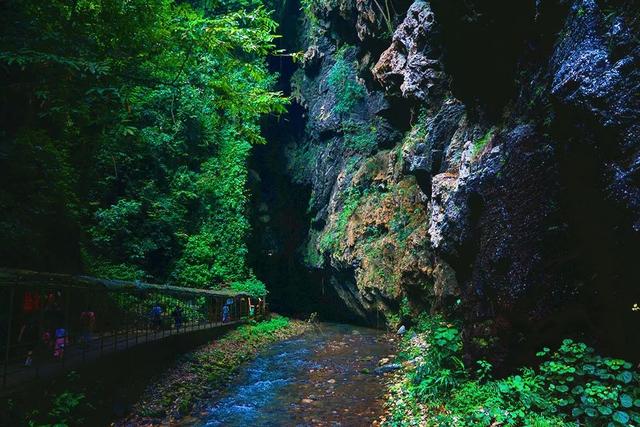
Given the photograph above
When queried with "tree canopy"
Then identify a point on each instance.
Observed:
(126, 127)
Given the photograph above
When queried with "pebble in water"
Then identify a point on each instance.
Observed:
(317, 379)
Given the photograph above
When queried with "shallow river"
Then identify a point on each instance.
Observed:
(324, 378)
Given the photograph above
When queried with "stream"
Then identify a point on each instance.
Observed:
(324, 378)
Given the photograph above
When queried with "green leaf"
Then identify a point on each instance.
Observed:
(621, 417)
(605, 410)
(591, 412)
(577, 389)
(625, 376)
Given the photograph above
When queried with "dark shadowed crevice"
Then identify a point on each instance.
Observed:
(279, 207)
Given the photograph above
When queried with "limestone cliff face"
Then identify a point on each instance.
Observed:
(481, 158)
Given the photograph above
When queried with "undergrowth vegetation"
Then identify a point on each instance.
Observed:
(572, 386)
(332, 237)
(480, 143)
(360, 137)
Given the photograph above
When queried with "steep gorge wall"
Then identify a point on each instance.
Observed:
(478, 158)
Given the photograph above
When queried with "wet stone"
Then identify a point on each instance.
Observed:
(316, 377)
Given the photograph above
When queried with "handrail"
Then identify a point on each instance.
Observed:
(50, 321)
(28, 277)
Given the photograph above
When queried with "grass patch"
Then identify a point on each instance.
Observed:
(480, 143)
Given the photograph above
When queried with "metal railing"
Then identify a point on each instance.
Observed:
(51, 322)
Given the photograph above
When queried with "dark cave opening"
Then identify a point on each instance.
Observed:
(280, 224)
(279, 207)
(478, 56)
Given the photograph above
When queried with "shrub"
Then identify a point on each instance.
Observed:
(252, 286)
(64, 406)
(573, 386)
(342, 81)
(442, 368)
(589, 388)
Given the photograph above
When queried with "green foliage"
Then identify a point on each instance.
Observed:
(309, 10)
(261, 329)
(136, 121)
(483, 373)
(342, 81)
(60, 409)
(589, 388)
(441, 369)
(573, 386)
(401, 226)
(418, 132)
(64, 405)
(331, 239)
(405, 308)
(480, 143)
(360, 137)
(301, 160)
(251, 286)
(311, 255)
(39, 207)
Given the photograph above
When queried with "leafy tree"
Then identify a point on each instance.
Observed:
(127, 127)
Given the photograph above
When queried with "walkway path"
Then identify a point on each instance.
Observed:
(99, 346)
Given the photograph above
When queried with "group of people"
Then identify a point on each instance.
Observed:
(43, 327)
(257, 308)
(156, 316)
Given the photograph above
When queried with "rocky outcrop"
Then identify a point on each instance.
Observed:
(596, 72)
(469, 202)
(411, 66)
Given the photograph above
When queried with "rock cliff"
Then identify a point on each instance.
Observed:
(481, 158)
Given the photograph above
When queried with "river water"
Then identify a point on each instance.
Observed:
(324, 378)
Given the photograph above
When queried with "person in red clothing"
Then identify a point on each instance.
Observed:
(30, 305)
(28, 333)
(31, 302)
